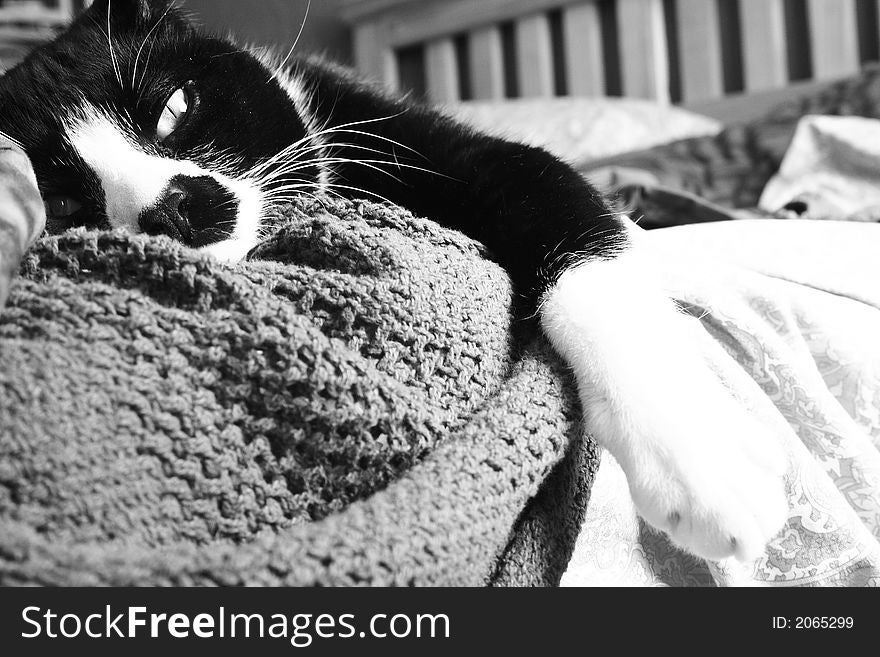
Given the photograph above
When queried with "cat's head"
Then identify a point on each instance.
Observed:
(135, 119)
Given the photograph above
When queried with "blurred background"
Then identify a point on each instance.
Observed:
(24, 23)
(691, 52)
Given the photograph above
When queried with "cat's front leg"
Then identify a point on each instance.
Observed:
(699, 466)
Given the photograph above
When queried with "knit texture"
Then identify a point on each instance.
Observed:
(349, 407)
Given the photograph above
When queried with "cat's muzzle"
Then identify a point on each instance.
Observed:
(197, 211)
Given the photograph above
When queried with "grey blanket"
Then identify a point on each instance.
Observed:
(348, 408)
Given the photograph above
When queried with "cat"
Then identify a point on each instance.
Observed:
(135, 119)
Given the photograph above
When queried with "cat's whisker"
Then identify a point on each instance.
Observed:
(225, 222)
(368, 163)
(296, 196)
(387, 140)
(298, 147)
(140, 84)
(113, 59)
(360, 190)
(232, 203)
(292, 184)
(12, 139)
(141, 49)
(282, 173)
(262, 176)
(291, 196)
(289, 151)
(286, 59)
(345, 127)
(295, 156)
(330, 187)
(348, 128)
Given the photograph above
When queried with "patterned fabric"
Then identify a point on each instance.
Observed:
(22, 216)
(732, 168)
(796, 307)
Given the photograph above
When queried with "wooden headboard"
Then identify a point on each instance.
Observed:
(683, 51)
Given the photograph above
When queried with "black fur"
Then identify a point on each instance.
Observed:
(194, 210)
(534, 212)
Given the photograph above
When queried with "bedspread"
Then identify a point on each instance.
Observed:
(796, 307)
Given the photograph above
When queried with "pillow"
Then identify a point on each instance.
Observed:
(581, 129)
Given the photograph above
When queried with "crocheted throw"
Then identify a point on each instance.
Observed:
(349, 407)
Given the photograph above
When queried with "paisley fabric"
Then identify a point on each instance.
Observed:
(791, 311)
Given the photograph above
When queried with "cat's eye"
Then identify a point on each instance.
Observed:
(61, 207)
(173, 114)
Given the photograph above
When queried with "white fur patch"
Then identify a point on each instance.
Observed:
(134, 179)
(698, 465)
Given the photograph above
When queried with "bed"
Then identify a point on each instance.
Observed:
(347, 408)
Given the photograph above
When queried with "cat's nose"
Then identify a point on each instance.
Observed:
(169, 216)
(196, 210)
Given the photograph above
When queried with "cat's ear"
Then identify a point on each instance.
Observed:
(130, 13)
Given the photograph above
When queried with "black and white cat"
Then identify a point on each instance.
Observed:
(135, 119)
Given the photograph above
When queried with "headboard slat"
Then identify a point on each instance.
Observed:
(582, 33)
(487, 64)
(441, 71)
(534, 56)
(373, 53)
(764, 53)
(700, 50)
(834, 37)
(643, 50)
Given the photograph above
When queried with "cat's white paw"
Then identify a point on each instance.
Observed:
(699, 465)
(715, 484)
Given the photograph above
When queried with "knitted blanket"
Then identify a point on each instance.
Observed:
(349, 407)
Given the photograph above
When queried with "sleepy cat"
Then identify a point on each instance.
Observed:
(134, 119)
